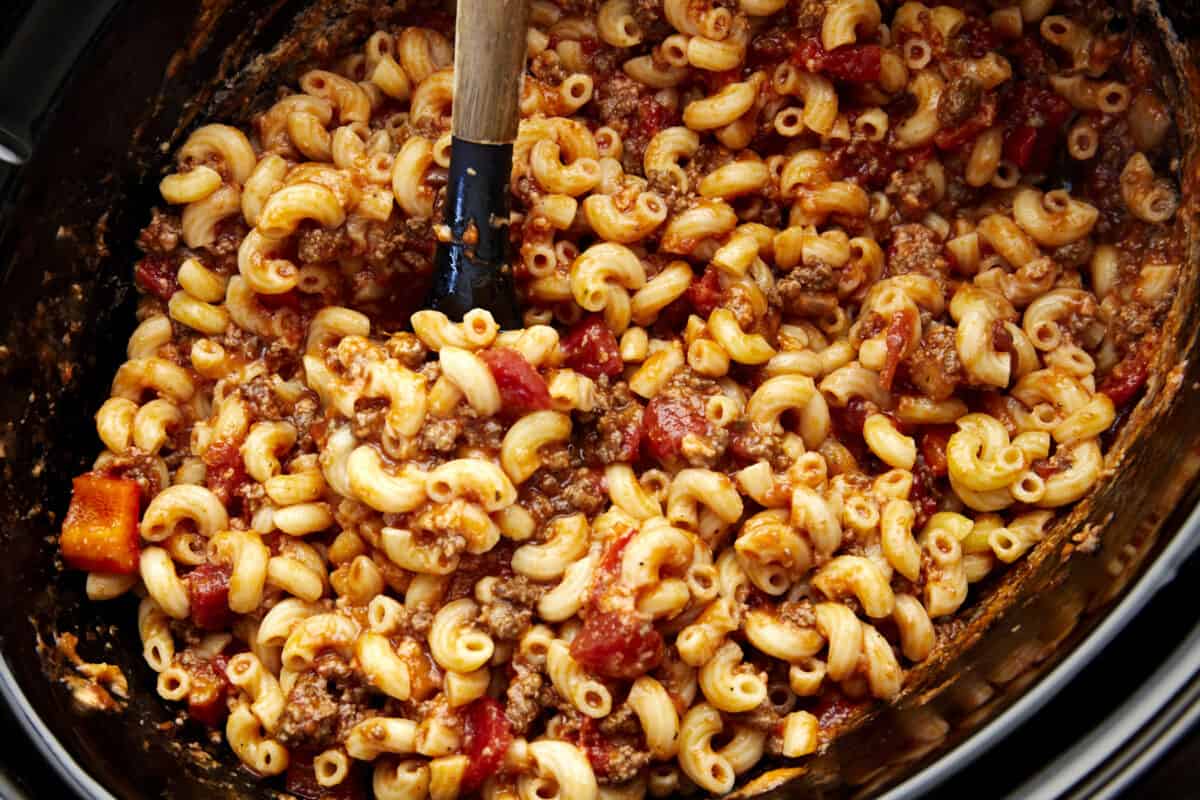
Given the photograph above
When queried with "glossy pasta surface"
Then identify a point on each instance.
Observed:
(830, 311)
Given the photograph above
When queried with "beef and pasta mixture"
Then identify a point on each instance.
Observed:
(830, 309)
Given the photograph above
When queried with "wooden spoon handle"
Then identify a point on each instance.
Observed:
(489, 62)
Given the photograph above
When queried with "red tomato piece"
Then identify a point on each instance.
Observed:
(1019, 145)
(208, 592)
(610, 566)
(933, 448)
(522, 389)
(853, 417)
(1039, 115)
(157, 274)
(1127, 378)
(899, 334)
(100, 532)
(705, 293)
(591, 348)
(487, 737)
(206, 700)
(1045, 467)
(595, 746)
(652, 117)
(854, 63)
(617, 645)
(631, 439)
(226, 468)
(666, 421)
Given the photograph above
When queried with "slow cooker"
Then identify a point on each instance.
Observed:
(1072, 680)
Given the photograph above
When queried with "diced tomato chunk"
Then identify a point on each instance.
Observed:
(226, 469)
(1126, 379)
(591, 348)
(899, 334)
(100, 532)
(208, 592)
(157, 274)
(210, 685)
(617, 645)
(597, 748)
(934, 442)
(1019, 145)
(1037, 116)
(487, 737)
(667, 421)
(522, 389)
(851, 419)
(705, 292)
(854, 63)
(652, 117)
(609, 566)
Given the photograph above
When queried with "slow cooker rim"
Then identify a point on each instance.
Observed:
(77, 778)
(1161, 571)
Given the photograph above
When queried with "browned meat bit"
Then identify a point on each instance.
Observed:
(809, 16)
(409, 242)
(914, 192)
(551, 493)
(649, 17)
(317, 714)
(613, 432)
(262, 401)
(407, 349)
(162, 234)
(798, 613)
(665, 185)
(486, 432)
(504, 620)
(318, 245)
(546, 66)
(763, 718)
(520, 590)
(623, 759)
(439, 435)
(915, 248)
(621, 722)
(523, 707)
(933, 365)
(753, 443)
(617, 101)
(959, 101)
(809, 290)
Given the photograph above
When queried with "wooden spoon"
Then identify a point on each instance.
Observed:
(471, 268)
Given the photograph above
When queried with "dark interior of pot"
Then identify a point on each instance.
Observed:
(70, 222)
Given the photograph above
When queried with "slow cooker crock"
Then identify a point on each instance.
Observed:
(96, 147)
